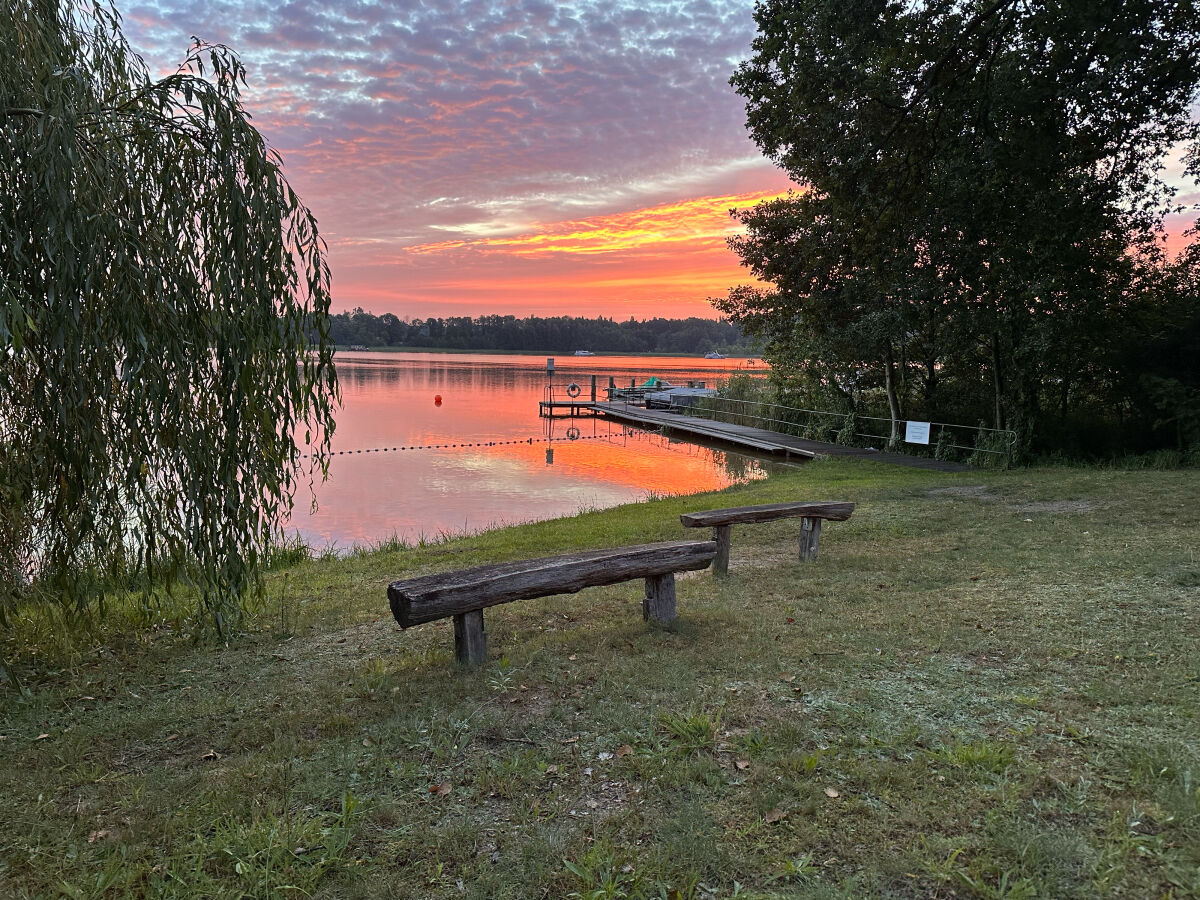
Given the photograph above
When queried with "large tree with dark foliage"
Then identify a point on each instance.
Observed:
(158, 283)
(978, 226)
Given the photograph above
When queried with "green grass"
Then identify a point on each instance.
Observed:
(985, 687)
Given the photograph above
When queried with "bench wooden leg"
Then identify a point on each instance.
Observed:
(810, 535)
(659, 604)
(723, 535)
(470, 641)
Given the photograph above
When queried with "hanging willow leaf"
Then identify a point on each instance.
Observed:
(164, 301)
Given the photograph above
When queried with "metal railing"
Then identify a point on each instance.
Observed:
(946, 438)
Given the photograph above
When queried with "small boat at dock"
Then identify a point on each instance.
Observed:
(713, 354)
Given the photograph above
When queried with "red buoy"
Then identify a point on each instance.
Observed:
(437, 399)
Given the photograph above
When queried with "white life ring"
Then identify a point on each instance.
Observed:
(572, 390)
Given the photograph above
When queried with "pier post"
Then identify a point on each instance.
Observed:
(593, 388)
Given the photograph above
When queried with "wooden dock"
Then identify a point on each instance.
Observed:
(566, 409)
(759, 439)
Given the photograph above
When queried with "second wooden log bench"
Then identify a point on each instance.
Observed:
(810, 514)
(464, 594)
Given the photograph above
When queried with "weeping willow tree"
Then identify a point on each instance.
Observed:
(164, 301)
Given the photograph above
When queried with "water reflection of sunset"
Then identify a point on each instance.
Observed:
(484, 457)
(644, 462)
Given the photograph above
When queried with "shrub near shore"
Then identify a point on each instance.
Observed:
(984, 687)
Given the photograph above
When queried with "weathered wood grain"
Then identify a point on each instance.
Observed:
(470, 640)
(432, 597)
(659, 604)
(723, 535)
(834, 510)
(810, 537)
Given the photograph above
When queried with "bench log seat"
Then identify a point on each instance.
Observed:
(810, 514)
(464, 594)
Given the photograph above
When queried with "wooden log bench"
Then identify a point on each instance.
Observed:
(810, 514)
(466, 593)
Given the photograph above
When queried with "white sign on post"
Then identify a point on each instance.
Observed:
(916, 432)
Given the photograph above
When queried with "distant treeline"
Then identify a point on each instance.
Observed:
(564, 334)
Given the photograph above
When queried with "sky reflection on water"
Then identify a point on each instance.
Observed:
(389, 402)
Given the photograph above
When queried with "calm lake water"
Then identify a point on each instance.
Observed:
(484, 457)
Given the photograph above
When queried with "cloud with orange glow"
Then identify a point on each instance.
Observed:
(508, 156)
(698, 221)
(574, 156)
(658, 259)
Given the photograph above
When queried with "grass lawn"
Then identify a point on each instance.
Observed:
(985, 687)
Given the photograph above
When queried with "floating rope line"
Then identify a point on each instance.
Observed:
(470, 444)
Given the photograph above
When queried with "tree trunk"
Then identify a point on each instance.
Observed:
(997, 382)
(889, 376)
(931, 386)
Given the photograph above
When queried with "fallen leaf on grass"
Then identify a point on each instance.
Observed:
(571, 657)
(624, 750)
(369, 741)
(787, 678)
(209, 756)
(592, 804)
(441, 790)
(551, 770)
(742, 763)
(775, 815)
(98, 835)
(41, 737)
(604, 756)
(832, 793)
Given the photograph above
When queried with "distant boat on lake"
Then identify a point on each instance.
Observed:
(713, 354)
(584, 353)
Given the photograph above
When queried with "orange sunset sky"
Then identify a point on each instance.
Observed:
(502, 156)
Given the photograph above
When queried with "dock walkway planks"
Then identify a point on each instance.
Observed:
(761, 438)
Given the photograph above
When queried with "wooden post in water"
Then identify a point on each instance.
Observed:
(810, 536)
(470, 641)
(659, 605)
